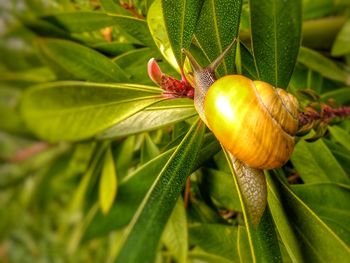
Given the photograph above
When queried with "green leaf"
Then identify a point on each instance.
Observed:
(222, 190)
(124, 153)
(282, 223)
(108, 183)
(340, 136)
(222, 241)
(134, 187)
(196, 256)
(330, 203)
(317, 241)
(80, 21)
(315, 163)
(80, 61)
(113, 48)
(217, 26)
(341, 45)
(135, 27)
(243, 246)
(149, 149)
(79, 110)
(153, 117)
(156, 24)
(175, 236)
(326, 67)
(180, 20)
(153, 213)
(263, 241)
(274, 49)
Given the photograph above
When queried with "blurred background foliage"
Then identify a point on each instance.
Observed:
(65, 197)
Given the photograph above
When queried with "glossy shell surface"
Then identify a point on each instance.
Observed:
(253, 120)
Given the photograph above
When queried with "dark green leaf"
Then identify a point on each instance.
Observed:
(78, 110)
(340, 96)
(153, 213)
(180, 19)
(80, 61)
(276, 34)
(217, 26)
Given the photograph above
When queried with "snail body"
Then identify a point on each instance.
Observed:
(254, 121)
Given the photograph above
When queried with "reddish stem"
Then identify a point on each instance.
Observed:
(26, 153)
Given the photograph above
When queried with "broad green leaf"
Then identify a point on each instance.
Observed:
(340, 136)
(326, 67)
(318, 242)
(222, 190)
(315, 163)
(154, 211)
(275, 50)
(322, 8)
(175, 235)
(222, 241)
(217, 26)
(82, 62)
(341, 45)
(153, 117)
(180, 20)
(329, 202)
(282, 222)
(156, 24)
(79, 110)
(108, 183)
(340, 96)
(263, 241)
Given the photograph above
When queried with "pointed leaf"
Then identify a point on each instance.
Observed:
(217, 26)
(78, 110)
(153, 213)
(180, 20)
(276, 34)
(84, 63)
(108, 183)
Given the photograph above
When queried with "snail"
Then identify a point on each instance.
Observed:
(254, 121)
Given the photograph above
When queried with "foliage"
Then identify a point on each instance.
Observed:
(94, 160)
